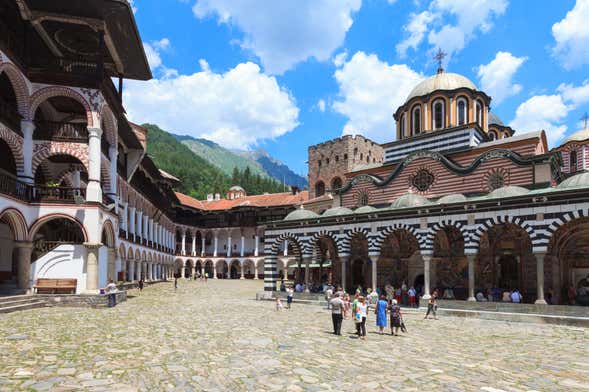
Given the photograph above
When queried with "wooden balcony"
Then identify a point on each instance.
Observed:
(61, 131)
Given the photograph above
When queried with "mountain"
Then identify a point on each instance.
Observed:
(259, 161)
(198, 176)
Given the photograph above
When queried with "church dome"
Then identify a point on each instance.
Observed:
(337, 211)
(301, 214)
(364, 210)
(453, 198)
(580, 180)
(578, 136)
(441, 81)
(508, 191)
(494, 119)
(410, 200)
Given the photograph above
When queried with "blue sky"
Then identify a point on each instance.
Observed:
(283, 75)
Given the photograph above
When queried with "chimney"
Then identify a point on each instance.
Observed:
(210, 197)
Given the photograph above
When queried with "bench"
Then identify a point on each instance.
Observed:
(56, 286)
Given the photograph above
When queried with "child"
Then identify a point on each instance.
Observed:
(278, 304)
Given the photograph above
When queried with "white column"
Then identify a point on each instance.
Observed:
(139, 228)
(193, 243)
(183, 251)
(307, 260)
(241, 276)
(257, 246)
(540, 278)
(27, 128)
(145, 227)
(76, 181)
(202, 246)
(285, 248)
(374, 260)
(132, 221)
(426, 265)
(228, 244)
(112, 155)
(125, 220)
(451, 112)
(242, 252)
(132, 270)
(216, 244)
(425, 124)
(138, 270)
(344, 260)
(93, 190)
(471, 296)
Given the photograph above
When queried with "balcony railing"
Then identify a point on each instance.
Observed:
(40, 193)
(9, 116)
(61, 131)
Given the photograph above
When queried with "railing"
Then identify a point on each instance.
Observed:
(9, 115)
(40, 193)
(61, 131)
(12, 187)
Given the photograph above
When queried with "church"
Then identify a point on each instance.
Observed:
(458, 202)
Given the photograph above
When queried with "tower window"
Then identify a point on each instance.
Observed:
(439, 114)
(319, 189)
(479, 113)
(402, 127)
(416, 123)
(462, 108)
(492, 135)
(573, 161)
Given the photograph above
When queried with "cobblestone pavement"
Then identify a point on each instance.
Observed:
(195, 339)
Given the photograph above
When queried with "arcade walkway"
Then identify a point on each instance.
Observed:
(215, 337)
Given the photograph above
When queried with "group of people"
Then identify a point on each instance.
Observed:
(495, 295)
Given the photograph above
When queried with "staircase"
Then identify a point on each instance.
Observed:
(15, 303)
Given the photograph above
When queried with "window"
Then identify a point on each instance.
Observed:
(355, 151)
(416, 123)
(492, 135)
(422, 180)
(345, 157)
(505, 135)
(319, 189)
(462, 109)
(327, 161)
(573, 161)
(363, 199)
(361, 156)
(402, 127)
(319, 163)
(479, 113)
(439, 114)
(337, 158)
(336, 183)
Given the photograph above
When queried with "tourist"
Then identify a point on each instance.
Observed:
(111, 290)
(360, 317)
(404, 298)
(572, 294)
(395, 310)
(398, 293)
(550, 300)
(506, 296)
(328, 294)
(516, 297)
(289, 294)
(432, 305)
(206, 277)
(489, 295)
(381, 313)
(337, 312)
(411, 294)
(282, 286)
(347, 306)
(175, 283)
(140, 284)
(279, 306)
(480, 297)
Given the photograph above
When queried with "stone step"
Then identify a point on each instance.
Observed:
(29, 305)
(7, 302)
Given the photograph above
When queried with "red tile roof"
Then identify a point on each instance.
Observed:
(268, 200)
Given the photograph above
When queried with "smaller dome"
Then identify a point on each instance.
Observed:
(301, 214)
(364, 210)
(580, 180)
(337, 211)
(236, 188)
(494, 119)
(508, 191)
(453, 198)
(410, 200)
(578, 136)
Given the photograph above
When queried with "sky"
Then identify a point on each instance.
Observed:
(285, 75)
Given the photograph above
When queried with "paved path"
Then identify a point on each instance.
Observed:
(193, 340)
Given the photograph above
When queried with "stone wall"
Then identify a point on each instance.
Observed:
(80, 300)
(334, 158)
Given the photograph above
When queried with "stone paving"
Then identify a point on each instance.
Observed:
(194, 339)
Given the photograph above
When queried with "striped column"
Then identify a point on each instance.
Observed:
(270, 273)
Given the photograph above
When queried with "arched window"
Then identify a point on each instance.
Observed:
(439, 114)
(416, 120)
(479, 113)
(402, 127)
(492, 135)
(336, 183)
(363, 199)
(319, 189)
(462, 111)
(573, 161)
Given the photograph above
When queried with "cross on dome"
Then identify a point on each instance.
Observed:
(439, 57)
(586, 119)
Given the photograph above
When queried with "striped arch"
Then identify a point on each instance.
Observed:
(484, 227)
(384, 233)
(50, 149)
(557, 223)
(39, 222)
(346, 241)
(54, 91)
(137, 255)
(122, 251)
(314, 240)
(433, 231)
(15, 143)
(108, 228)
(17, 223)
(20, 86)
(273, 248)
(105, 173)
(110, 125)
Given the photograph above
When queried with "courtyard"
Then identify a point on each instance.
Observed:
(216, 337)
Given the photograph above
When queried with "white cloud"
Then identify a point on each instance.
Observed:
(236, 109)
(370, 91)
(162, 44)
(286, 32)
(575, 95)
(153, 56)
(545, 112)
(133, 7)
(496, 78)
(340, 58)
(572, 36)
(321, 105)
(471, 16)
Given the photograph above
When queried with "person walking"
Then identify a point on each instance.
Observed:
(516, 297)
(111, 290)
(289, 294)
(360, 317)
(411, 294)
(381, 313)
(347, 306)
(140, 284)
(206, 277)
(395, 317)
(337, 312)
(328, 295)
(175, 283)
(432, 305)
